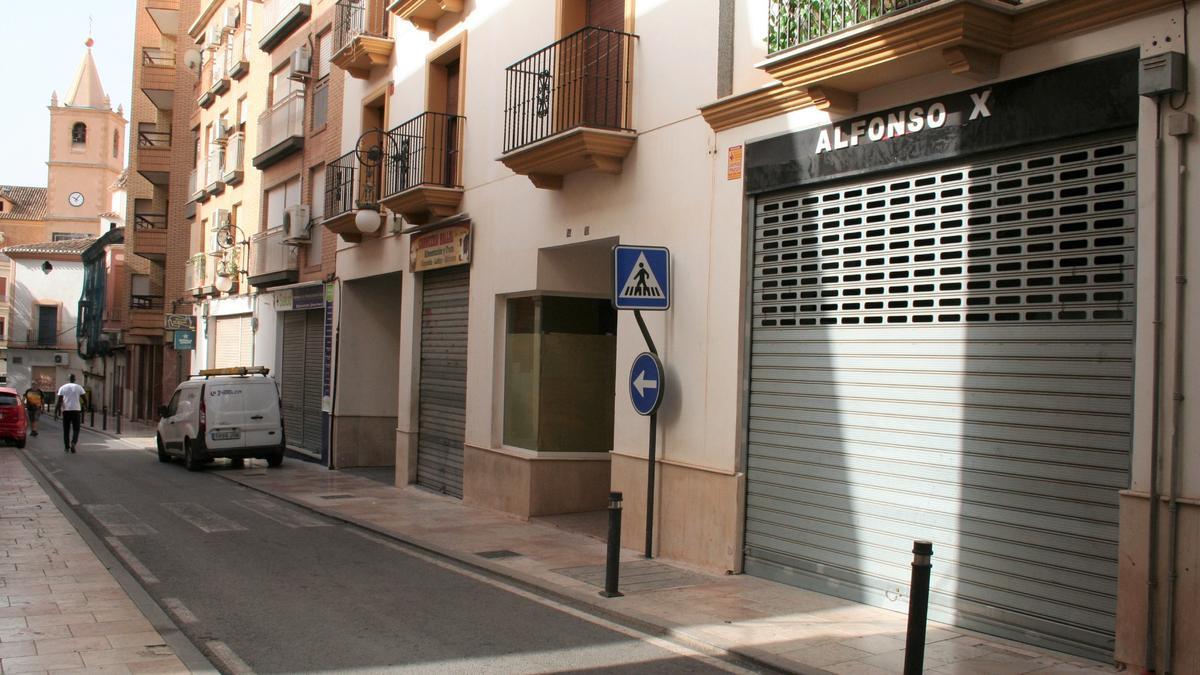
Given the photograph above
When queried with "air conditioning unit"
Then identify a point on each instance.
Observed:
(301, 66)
(212, 37)
(296, 220)
(221, 218)
(62, 358)
(232, 15)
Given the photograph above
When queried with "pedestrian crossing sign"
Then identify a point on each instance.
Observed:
(641, 277)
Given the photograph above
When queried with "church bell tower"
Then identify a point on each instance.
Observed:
(87, 153)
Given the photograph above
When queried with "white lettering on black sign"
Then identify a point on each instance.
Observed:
(890, 125)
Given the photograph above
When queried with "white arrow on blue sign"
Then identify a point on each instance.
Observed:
(646, 383)
(641, 277)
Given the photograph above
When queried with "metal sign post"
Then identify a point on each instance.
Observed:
(641, 280)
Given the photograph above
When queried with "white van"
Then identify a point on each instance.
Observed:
(223, 412)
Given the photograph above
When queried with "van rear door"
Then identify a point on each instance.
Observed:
(262, 427)
(225, 414)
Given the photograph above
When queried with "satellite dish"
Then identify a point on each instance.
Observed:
(191, 61)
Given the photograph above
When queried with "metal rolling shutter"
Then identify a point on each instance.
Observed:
(234, 342)
(443, 391)
(291, 377)
(314, 352)
(300, 379)
(946, 355)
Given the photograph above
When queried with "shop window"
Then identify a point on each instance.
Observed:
(79, 134)
(559, 374)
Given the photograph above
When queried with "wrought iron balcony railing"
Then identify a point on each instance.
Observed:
(150, 221)
(426, 150)
(358, 17)
(154, 139)
(152, 56)
(145, 302)
(795, 22)
(283, 121)
(583, 80)
(342, 186)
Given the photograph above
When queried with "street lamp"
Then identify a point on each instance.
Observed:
(371, 155)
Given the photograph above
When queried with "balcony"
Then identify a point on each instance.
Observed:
(154, 154)
(150, 236)
(204, 83)
(360, 40)
(196, 191)
(197, 275)
(218, 82)
(280, 18)
(280, 131)
(158, 77)
(348, 184)
(235, 159)
(215, 170)
(145, 315)
(828, 51)
(424, 14)
(568, 107)
(165, 14)
(236, 58)
(423, 174)
(272, 262)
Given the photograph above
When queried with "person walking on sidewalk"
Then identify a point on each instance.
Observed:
(70, 401)
(34, 399)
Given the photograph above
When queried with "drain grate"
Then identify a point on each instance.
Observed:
(496, 555)
(342, 496)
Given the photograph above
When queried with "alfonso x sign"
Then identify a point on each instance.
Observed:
(894, 124)
(1075, 100)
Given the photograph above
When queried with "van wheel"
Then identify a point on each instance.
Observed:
(237, 462)
(21, 444)
(189, 457)
(162, 451)
(275, 460)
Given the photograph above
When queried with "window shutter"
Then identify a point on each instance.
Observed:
(325, 50)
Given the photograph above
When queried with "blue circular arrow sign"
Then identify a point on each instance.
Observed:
(646, 383)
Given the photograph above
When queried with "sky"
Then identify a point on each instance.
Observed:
(41, 45)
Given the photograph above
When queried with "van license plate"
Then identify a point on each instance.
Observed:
(231, 435)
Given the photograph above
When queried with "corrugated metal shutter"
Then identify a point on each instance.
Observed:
(291, 377)
(234, 344)
(946, 355)
(301, 378)
(314, 351)
(443, 391)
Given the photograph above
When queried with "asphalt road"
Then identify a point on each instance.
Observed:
(260, 585)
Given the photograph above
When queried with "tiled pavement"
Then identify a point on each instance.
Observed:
(777, 625)
(61, 610)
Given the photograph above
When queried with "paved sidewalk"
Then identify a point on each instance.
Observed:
(61, 610)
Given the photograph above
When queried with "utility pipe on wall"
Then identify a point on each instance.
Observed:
(1156, 403)
(1179, 125)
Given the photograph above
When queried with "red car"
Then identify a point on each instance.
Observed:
(13, 421)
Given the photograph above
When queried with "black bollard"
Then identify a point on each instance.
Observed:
(92, 410)
(104, 418)
(612, 566)
(918, 608)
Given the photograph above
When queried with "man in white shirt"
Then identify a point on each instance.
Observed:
(70, 402)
